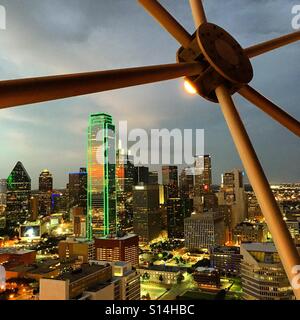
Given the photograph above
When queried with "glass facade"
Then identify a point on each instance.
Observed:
(101, 218)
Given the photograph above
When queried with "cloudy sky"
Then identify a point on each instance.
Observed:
(47, 37)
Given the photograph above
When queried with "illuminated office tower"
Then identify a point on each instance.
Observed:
(101, 206)
(141, 175)
(233, 194)
(146, 212)
(45, 181)
(170, 181)
(153, 177)
(78, 189)
(125, 176)
(203, 180)
(18, 195)
(3, 190)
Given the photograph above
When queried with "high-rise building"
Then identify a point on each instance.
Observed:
(249, 232)
(177, 210)
(18, 195)
(101, 212)
(78, 215)
(34, 208)
(204, 230)
(141, 175)
(263, 277)
(186, 184)
(78, 189)
(146, 212)
(45, 181)
(170, 181)
(124, 248)
(3, 191)
(232, 194)
(153, 177)
(125, 175)
(203, 180)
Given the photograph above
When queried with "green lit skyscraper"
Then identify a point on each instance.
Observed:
(101, 206)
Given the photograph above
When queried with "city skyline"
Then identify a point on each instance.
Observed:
(95, 42)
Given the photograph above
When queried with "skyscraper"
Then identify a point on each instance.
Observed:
(204, 230)
(101, 212)
(170, 181)
(45, 181)
(78, 189)
(19, 187)
(146, 214)
(125, 175)
(141, 175)
(3, 190)
(203, 180)
(233, 194)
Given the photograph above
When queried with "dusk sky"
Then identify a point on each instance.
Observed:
(48, 37)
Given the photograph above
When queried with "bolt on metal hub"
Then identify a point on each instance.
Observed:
(224, 61)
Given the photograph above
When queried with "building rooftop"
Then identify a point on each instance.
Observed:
(125, 237)
(162, 268)
(260, 247)
(84, 271)
(225, 249)
(12, 250)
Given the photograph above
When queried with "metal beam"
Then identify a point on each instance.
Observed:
(198, 12)
(267, 46)
(283, 241)
(271, 109)
(33, 90)
(167, 21)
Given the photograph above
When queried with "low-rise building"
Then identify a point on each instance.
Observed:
(13, 256)
(124, 248)
(226, 259)
(160, 274)
(207, 277)
(81, 249)
(72, 285)
(263, 277)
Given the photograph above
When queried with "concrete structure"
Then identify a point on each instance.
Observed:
(80, 249)
(72, 285)
(160, 274)
(124, 248)
(226, 259)
(232, 194)
(207, 277)
(126, 280)
(14, 257)
(202, 231)
(248, 232)
(263, 277)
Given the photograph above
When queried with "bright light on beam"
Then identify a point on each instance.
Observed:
(189, 88)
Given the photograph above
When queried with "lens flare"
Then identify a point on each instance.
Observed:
(189, 88)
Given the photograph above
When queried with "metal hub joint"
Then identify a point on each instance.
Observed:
(223, 60)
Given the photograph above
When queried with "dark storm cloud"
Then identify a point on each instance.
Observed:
(57, 36)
